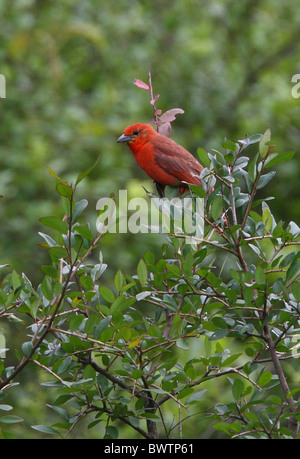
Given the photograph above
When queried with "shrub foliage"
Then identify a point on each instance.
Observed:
(226, 306)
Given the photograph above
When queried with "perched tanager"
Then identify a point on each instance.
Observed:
(164, 160)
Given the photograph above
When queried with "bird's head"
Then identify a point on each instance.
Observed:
(135, 132)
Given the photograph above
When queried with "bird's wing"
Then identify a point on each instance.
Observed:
(177, 161)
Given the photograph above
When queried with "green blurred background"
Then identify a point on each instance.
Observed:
(69, 67)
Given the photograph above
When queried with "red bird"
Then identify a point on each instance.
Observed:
(166, 162)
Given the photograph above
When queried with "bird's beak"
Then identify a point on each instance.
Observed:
(124, 138)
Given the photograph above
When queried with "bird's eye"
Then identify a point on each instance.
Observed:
(135, 132)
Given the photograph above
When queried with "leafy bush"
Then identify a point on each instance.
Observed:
(226, 306)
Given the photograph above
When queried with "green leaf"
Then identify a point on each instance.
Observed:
(47, 288)
(267, 219)
(89, 373)
(252, 169)
(64, 190)
(219, 334)
(55, 223)
(227, 362)
(278, 231)
(263, 144)
(103, 382)
(75, 322)
(237, 389)
(293, 392)
(265, 179)
(223, 427)
(118, 304)
(83, 174)
(56, 253)
(67, 205)
(10, 419)
(133, 343)
(229, 145)
(217, 207)
(54, 174)
(198, 190)
(134, 421)
(229, 157)
(141, 296)
(280, 158)
(187, 264)
(65, 365)
(84, 231)
(183, 344)
(293, 272)
(254, 138)
(79, 208)
(149, 258)
(16, 282)
(296, 290)
(6, 407)
(106, 293)
(102, 325)
(260, 277)
(219, 322)
(203, 157)
(136, 374)
(111, 433)
(171, 192)
(26, 348)
(45, 429)
(142, 272)
(264, 378)
(196, 396)
(60, 411)
(235, 275)
(48, 239)
(119, 280)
